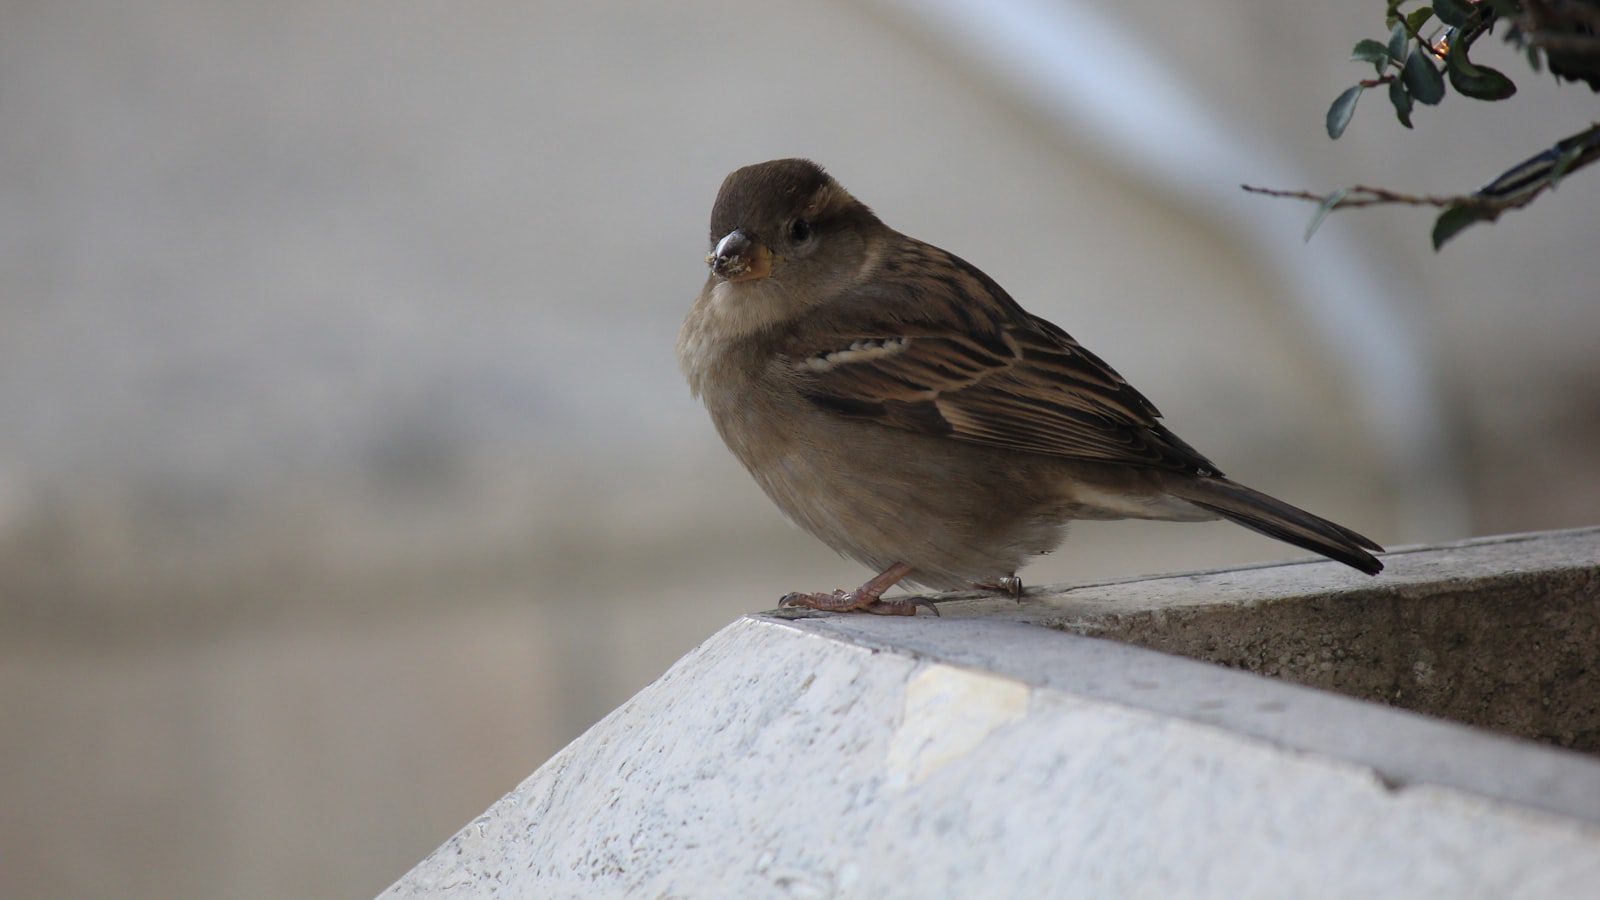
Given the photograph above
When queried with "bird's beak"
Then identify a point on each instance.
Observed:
(737, 258)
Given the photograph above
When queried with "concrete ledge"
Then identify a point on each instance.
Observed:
(994, 753)
(1503, 632)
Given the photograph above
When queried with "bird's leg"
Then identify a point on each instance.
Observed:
(868, 598)
(1010, 585)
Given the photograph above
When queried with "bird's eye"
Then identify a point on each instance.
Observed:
(799, 230)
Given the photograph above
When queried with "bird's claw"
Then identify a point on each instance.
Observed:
(1010, 585)
(905, 607)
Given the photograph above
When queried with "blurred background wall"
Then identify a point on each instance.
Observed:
(346, 472)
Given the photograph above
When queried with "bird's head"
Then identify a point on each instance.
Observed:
(787, 221)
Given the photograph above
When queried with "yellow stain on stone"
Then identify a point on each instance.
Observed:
(948, 713)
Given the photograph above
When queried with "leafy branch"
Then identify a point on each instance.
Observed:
(1513, 189)
(1561, 34)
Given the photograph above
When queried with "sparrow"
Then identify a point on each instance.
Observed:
(898, 404)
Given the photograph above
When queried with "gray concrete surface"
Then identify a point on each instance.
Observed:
(987, 753)
(1505, 636)
(1496, 632)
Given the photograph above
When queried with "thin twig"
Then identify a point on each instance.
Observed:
(1416, 35)
(1508, 191)
(1362, 195)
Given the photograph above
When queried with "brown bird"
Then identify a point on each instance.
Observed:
(895, 401)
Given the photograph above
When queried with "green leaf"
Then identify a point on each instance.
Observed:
(1422, 79)
(1488, 84)
(1418, 18)
(1325, 207)
(1478, 82)
(1401, 98)
(1390, 16)
(1344, 106)
(1455, 218)
(1397, 43)
(1369, 50)
(1454, 13)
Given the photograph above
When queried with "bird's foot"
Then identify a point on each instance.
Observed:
(859, 601)
(1010, 585)
(868, 598)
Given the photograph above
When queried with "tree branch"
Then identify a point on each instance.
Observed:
(1512, 189)
(1363, 195)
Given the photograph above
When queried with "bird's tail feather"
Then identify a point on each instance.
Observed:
(1277, 519)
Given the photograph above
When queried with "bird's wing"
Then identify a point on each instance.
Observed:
(946, 352)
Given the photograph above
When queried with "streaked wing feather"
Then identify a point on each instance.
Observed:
(954, 356)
